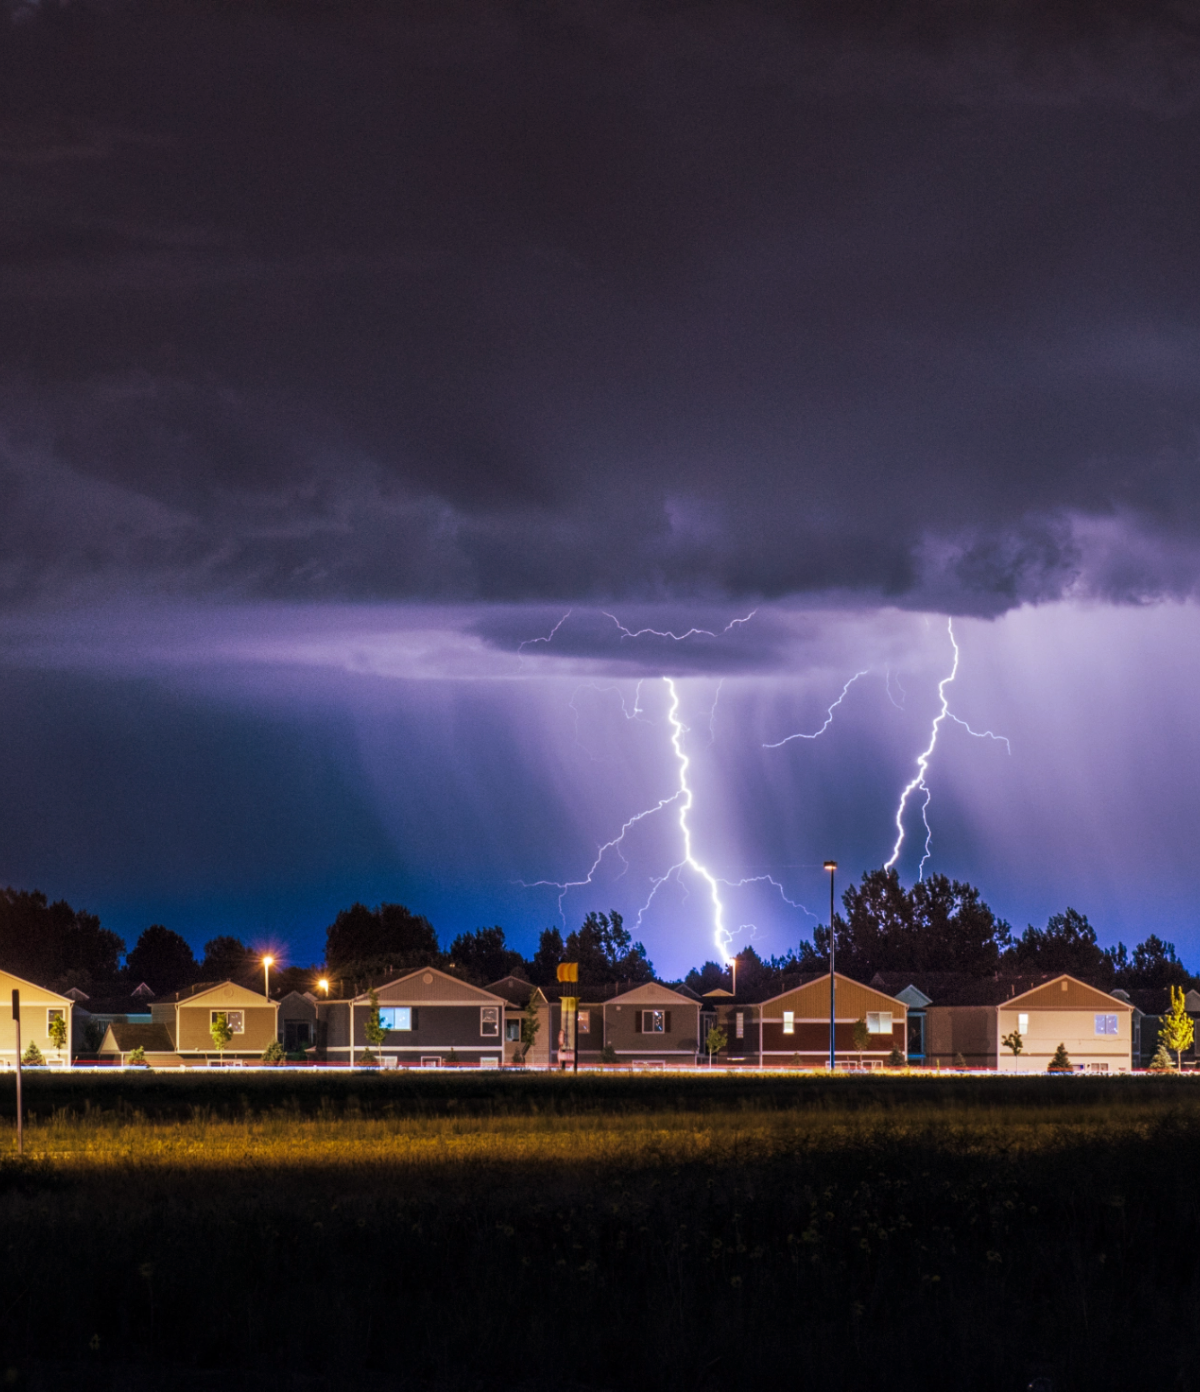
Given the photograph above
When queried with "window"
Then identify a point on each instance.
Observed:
(489, 1021)
(396, 1017)
(739, 1024)
(879, 1022)
(653, 1021)
(789, 1022)
(1097, 1067)
(583, 1023)
(1022, 1024)
(235, 1019)
(512, 1031)
(1106, 1024)
(51, 1015)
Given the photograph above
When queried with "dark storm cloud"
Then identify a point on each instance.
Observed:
(593, 302)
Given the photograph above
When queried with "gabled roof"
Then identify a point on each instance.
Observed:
(851, 995)
(1065, 992)
(650, 991)
(118, 1005)
(515, 990)
(230, 991)
(126, 1037)
(10, 980)
(430, 986)
(913, 997)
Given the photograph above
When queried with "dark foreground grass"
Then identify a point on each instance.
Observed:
(635, 1233)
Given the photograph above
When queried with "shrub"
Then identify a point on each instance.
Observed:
(608, 1054)
(273, 1053)
(33, 1056)
(137, 1058)
(1161, 1062)
(959, 1061)
(896, 1059)
(1061, 1062)
(367, 1059)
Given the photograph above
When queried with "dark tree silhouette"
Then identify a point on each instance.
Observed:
(162, 959)
(483, 956)
(363, 942)
(54, 944)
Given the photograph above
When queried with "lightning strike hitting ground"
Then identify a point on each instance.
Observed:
(828, 717)
(923, 764)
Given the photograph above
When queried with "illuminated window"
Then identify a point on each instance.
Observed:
(51, 1015)
(739, 1024)
(585, 1021)
(489, 1021)
(789, 1022)
(396, 1017)
(654, 1021)
(235, 1019)
(512, 1031)
(1022, 1024)
(879, 1022)
(1106, 1024)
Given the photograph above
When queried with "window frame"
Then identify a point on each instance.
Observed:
(583, 1022)
(393, 1010)
(230, 1016)
(878, 1029)
(1022, 1022)
(657, 1019)
(789, 1022)
(489, 1015)
(739, 1024)
(1106, 1026)
(512, 1031)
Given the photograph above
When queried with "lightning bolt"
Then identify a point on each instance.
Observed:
(678, 637)
(918, 783)
(549, 638)
(828, 717)
(903, 697)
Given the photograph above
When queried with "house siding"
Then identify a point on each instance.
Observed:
(195, 1021)
(969, 1030)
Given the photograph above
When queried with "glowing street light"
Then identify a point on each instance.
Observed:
(268, 963)
(831, 866)
(323, 985)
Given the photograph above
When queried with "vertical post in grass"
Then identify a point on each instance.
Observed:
(831, 866)
(20, 1115)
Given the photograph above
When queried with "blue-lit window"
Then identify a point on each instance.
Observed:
(396, 1017)
(1106, 1024)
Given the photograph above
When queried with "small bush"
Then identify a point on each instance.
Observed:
(959, 1061)
(367, 1059)
(1061, 1062)
(33, 1056)
(1162, 1061)
(137, 1058)
(608, 1054)
(896, 1059)
(273, 1053)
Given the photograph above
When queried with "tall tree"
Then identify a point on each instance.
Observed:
(225, 958)
(551, 951)
(162, 959)
(54, 944)
(606, 952)
(1066, 944)
(1155, 965)
(1176, 1030)
(363, 942)
(937, 925)
(483, 956)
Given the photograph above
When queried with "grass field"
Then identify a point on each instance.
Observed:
(624, 1233)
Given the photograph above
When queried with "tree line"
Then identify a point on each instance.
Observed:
(936, 925)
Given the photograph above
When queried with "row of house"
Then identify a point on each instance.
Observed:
(431, 1018)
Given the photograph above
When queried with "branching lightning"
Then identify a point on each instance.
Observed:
(549, 638)
(677, 637)
(828, 717)
(918, 783)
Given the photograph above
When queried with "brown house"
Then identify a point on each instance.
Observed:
(651, 1024)
(794, 1028)
(517, 993)
(428, 1016)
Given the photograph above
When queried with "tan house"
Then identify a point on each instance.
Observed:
(1095, 1028)
(518, 993)
(38, 1008)
(794, 1027)
(181, 1026)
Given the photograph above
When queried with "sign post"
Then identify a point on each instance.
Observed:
(16, 1007)
(569, 971)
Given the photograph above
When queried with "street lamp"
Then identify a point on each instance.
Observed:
(831, 866)
(268, 963)
(323, 985)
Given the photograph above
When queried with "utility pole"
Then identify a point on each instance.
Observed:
(16, 1007)
(831, 866)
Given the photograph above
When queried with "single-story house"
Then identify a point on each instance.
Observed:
(970, 1023)
(39, 1007)
(429, 1016)
(122, 1037)
(187, 1016)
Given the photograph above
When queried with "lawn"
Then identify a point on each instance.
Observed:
(625, 1233)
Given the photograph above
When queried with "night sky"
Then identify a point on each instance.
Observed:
(373, 375)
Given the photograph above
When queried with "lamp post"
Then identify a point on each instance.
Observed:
(268, 963)
(831, 866)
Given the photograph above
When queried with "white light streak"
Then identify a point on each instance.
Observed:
(828, 717)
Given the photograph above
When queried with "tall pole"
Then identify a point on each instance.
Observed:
(20, 1114)
(831, 866)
